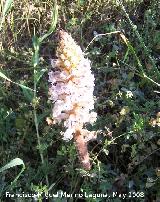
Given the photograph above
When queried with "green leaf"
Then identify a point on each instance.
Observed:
(13, 163)
(20, 123)
(39, 74)
(36, 43)
(21, 85)
(53, 23)
(42, 116)
(24, 87)
(7, 7)
(4, 77)
(28, 94)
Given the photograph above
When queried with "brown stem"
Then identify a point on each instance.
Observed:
(82, 150)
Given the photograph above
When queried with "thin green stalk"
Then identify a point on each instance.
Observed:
(145, 76)
(36, 45)
(37, 75)
(38, 139)
(130, 47)
(99, 35)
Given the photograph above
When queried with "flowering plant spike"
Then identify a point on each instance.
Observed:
(72, 86)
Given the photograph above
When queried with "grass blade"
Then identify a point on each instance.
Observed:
(53, 23)
(4, 77)
(13, 163)
(8, 79)
(7, 7)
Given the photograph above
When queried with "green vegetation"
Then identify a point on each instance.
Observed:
(123, 42)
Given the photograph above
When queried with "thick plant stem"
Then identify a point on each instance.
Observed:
(82, 150)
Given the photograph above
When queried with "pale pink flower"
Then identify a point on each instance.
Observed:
(72, 86)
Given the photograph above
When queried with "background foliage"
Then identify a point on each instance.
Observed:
(126, 155)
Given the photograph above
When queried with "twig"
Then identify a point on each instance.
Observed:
(98, 35)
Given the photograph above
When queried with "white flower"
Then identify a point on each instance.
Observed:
(72, 86)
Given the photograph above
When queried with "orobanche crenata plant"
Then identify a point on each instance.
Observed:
(71, 90)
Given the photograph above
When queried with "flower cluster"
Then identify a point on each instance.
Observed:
(72, 85)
